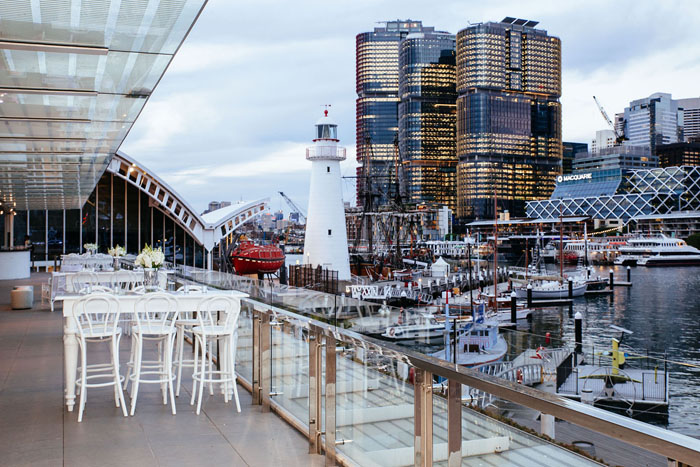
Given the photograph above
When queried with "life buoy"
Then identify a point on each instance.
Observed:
(519, 376)
(391, 332)
(537, 353)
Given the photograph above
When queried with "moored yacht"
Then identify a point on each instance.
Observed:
(679, 255)
(639, 248)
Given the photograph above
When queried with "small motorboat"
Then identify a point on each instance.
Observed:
(424, 327)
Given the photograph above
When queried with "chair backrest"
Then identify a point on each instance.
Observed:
(155, 311)
(99, 288)
(80, 281)
(98, 310)
(219, 310)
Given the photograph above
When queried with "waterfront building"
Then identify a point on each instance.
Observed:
(691, 117)
(570, 149)
(616, 157)
(508, 116)
(377, 121)
(427, 118)
(612, 194)
(679, 154)
(653, 120)
(214, 205)
(603, 139)
(681, 224)
(326, 240)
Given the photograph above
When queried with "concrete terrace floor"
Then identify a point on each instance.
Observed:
(36, 428)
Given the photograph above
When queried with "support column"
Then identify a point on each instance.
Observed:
(315, 391)
(8, 234)
(330, 400)
(423, 418)
(454, 424)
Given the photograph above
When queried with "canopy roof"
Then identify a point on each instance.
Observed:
(74, 76)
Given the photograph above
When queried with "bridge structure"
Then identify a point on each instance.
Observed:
(208, 229)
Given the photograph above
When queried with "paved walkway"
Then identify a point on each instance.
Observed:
(37, 430)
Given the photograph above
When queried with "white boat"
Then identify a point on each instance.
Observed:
(477, 344)
(680, 255)
(425, 327)
(640, 247)
(627, 260)
(552, 290)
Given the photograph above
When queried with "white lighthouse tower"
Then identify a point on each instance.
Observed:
(326, 241)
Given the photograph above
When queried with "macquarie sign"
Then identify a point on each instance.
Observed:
(574, 177)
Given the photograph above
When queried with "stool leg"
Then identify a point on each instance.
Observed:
(137, 372)
(211, 366)
(179, 349)
(83, 379)
(115, 373)
(204, 373)
(223, 359)
(194, 371)
(169, 366)
(232, 369)
(117, 383)
(130, 363)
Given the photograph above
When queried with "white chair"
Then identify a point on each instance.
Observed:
(155, 317)
(46, 292)
(185, 322)
(218, 321)
(97, 316)
(81, 282)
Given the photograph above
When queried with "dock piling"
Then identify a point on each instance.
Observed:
(578, 332)
(529, 295)
(629, 274)
(571, 288)
(612, 279)
(513, 309)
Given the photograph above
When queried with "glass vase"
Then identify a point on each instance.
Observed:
(150, 279)
(115, 263)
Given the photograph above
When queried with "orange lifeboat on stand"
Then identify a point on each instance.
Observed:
(249, 258)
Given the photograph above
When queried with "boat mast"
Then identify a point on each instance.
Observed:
(495, 250)
(585, 241)
(527, 259)
(561, 244)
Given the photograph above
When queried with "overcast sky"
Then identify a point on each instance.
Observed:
(232, 116)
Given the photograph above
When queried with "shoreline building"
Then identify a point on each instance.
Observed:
(616, 157)
(691, 117)
(326, 240)
(653, 120)
(427, 119)
(508, 116)
(377, 121)
(569, 151)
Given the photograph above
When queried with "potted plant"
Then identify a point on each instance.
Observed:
(91, 248)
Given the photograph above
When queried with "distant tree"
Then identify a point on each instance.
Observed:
(694, 240)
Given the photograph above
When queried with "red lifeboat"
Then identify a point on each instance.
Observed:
(249, 258)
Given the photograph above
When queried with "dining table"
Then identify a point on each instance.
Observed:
(186, 301)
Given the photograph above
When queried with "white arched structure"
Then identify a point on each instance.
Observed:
(208, 229)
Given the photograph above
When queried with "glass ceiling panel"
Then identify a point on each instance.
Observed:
(155, 26)
(74, 76)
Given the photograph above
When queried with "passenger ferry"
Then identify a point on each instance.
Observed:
(681, 255)
(637, 249)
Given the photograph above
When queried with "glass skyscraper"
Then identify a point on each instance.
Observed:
(427, 119)
(508, 116)
(653, 120)
(377, 124)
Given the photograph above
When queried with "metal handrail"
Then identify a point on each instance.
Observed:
(649, 437)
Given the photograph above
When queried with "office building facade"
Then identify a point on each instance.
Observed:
(427, 119)
(603, 139)
(569, 151)
(678, 154)
(616, 157)
(691, 117)
(377, 87)
(508, 116)
(652, 121)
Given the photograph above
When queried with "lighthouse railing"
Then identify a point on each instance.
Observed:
(326, 152)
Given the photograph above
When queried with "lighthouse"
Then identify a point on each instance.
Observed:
(326, 240)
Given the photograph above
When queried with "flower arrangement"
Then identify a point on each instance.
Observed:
(117, 251)
(150, 258)
(91, 247)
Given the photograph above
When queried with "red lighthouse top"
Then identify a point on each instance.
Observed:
(326, 128)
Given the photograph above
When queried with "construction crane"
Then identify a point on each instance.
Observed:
(293, 206)
(618, 136)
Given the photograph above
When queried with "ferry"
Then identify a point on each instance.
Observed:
(637, 249)
(681, 255)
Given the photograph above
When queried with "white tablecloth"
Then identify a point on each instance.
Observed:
(75, 263)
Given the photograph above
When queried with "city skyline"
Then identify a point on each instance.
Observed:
(223, 118)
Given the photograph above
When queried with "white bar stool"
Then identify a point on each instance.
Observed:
(97, 316)
(155, 317)
(218, 321)
(185, 322)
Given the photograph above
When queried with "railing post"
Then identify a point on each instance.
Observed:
(454, 424)
(256, 358)
(423, 418)
(315, 390)
(547, 425)
(330, 399)
(265, 362)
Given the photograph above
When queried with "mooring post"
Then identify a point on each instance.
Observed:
(612, 279)
(529, 295)
(629, 274)
(578, 332)
(571, 288)
(513, 309)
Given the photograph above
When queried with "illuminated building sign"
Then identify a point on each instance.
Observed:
(573, 177)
